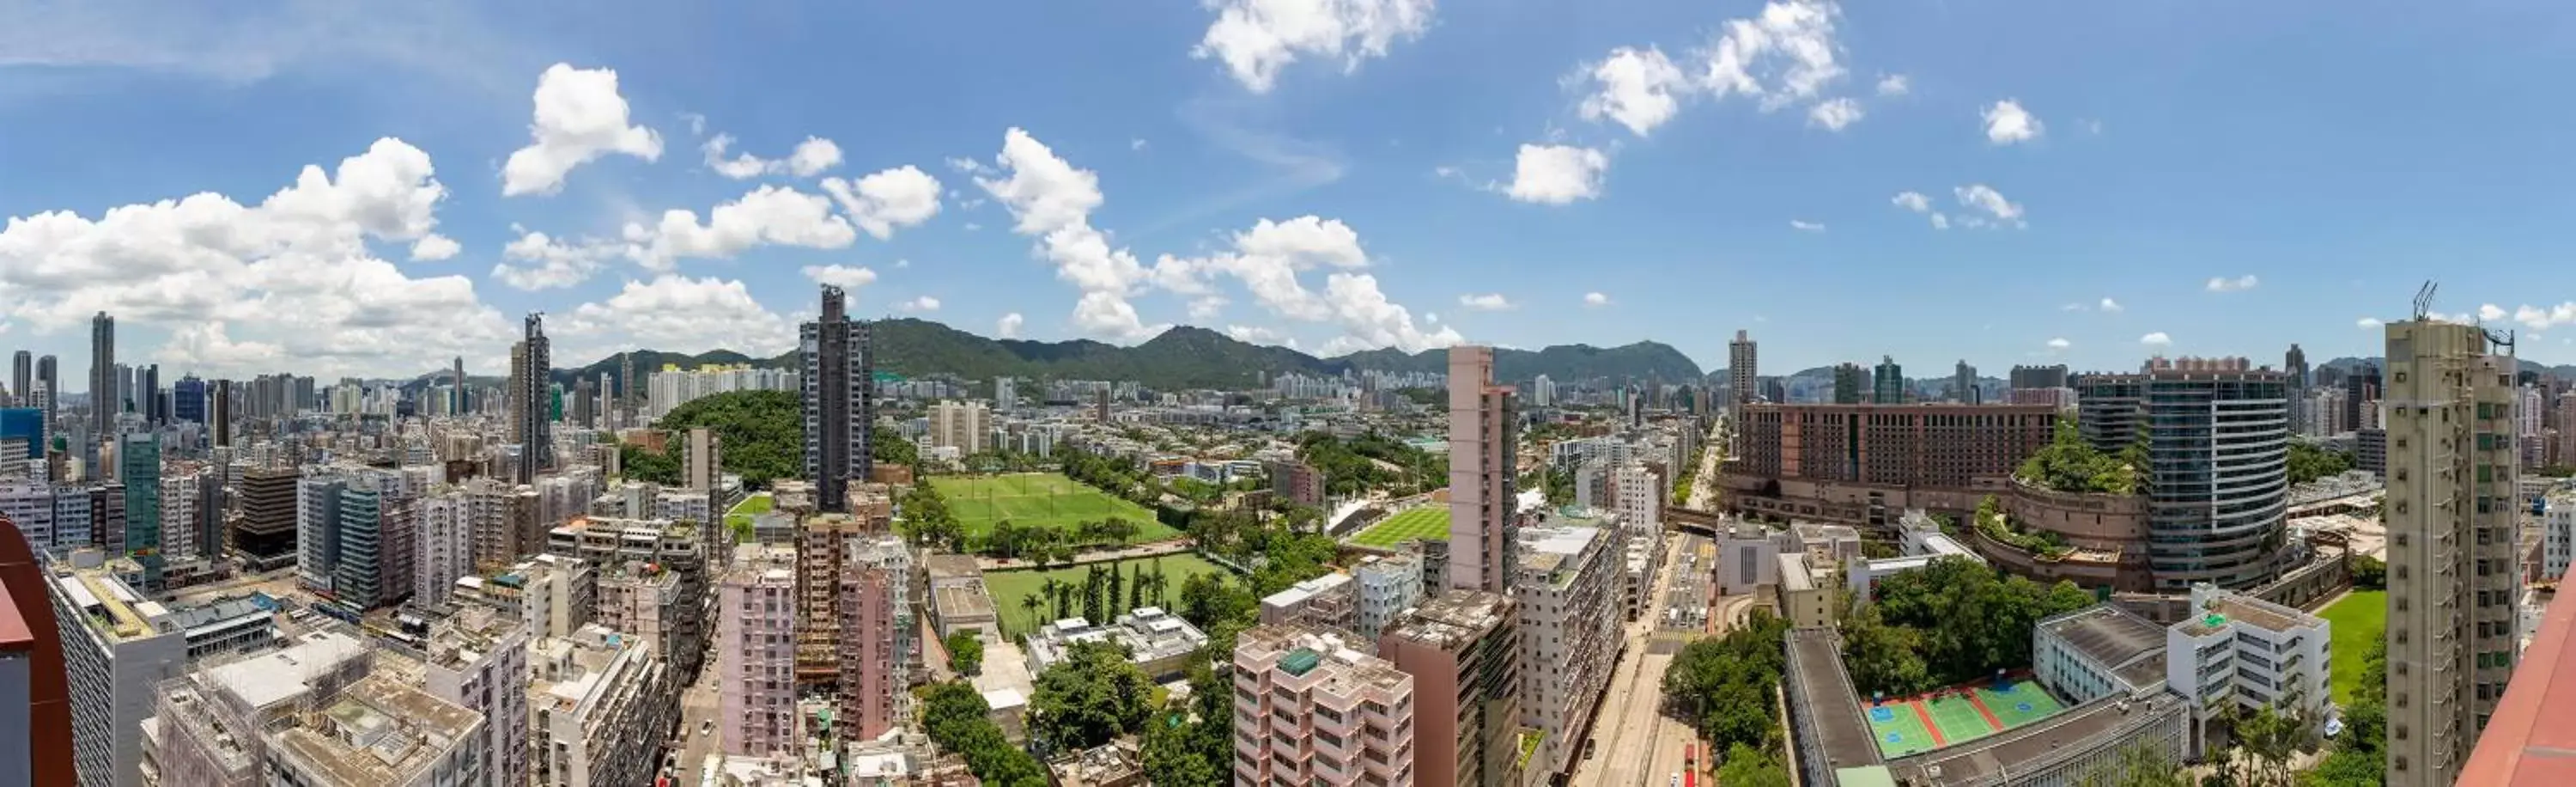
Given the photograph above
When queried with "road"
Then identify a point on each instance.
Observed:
(699, 705)
(1704, 483)
(1635, 744)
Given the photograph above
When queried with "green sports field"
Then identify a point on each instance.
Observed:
(2357, 620)
(1008, 587)
(739, 518)
(1950, 716)
(1042, 499)
(1429, 523)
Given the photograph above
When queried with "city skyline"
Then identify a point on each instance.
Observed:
(1338, 190)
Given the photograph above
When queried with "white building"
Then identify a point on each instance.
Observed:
(208, 724)
(478, 660)
(1862, 576)
(1329, 601)
(53, 518)
(1747, 557)
(2557, 534)
(117, 649)
(444, 549)
(2255, 651)
(602, 700)
(1570, 588)
(965, 426)
(2097, 651)
(1388, 586)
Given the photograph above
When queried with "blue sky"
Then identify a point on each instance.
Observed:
(1340, 173)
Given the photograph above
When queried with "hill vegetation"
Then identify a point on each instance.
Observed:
(763, 434)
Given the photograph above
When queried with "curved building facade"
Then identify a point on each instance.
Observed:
(2217, 435)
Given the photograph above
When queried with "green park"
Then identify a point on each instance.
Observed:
(1048, 500)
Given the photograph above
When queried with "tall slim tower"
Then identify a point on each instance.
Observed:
(103, 404)
(531, 400)
(2453, 574)
(2296, 363)
(1887, 385)
(1743, 374)
(22, 376)
(1963, 384)
(456, 397)
(1483, 434)
(138, 457)
(840, 405)
(49, 374)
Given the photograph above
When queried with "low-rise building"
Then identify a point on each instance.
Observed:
(958, 598)
(1312, 707)
(1113, 764)
(603, 700)
(1328, 601)
(1388, 585)
(1159, 642)
(2257, 652)
(2096, 652)
(380, 733)
(1806, 593)
(208, 724)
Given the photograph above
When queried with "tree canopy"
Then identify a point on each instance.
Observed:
(1949, 622)
(2069, 464)
(966, 652)
(2309, 463)
(763, 431)
(1726, 683)
(955, 715)
(1093, 695)
(1372, 461)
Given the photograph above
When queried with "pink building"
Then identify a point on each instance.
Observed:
(1482, 438)
(756, 649)
(874, 639)
(1324, 711)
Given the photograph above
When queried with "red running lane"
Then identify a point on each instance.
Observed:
(1926, 716)
(1979, 700)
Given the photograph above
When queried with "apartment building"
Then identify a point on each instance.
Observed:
(117, 649)
(2252, 651)
(1387, 585)
(646, 601)
(1484, 431)
(1328, 601)
(602, 702)
(756, 616)
(1311, 707)
(1924, 445)
(478, 660)
(1463, 651)
(873, 636)
(965, 426)
(1569, 590)
(2453, 572)
(550, 595)
(2557, 534)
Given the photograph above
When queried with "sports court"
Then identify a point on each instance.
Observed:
(1932, 720)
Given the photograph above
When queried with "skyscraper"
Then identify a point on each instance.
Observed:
(49, 375)
(138, 460)
(1887, 384)
(2453, 575)
(188, 400)
(2296, 363)
(456, 396)
(1742, 369)
(147, 395)
(102, 373)
(531, 398)
(1963, 384)
(1851, 384)
(1483, 433)
(22, 375)
(840, 401)
(219, 408)
(2215, 432)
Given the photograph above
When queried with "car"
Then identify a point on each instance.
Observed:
(1677, 779)
(707, 727)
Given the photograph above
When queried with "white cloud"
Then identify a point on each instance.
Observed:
(552, 263)
(2366, 323)
(1914, 201)
(1009, 326)
(1595, 299)
(1639, 89)
(921, 304)
(2238, 284)
(1806, 226)
(769, 215)
(1267, 261)
(1254, 334)
(2490, 313)
(1136, 144)
(2109, 305)
(1557, 174)
(1894, 85)
(2007, 123)
(1783, 56)
(2059, 343)
(1207, 307)
(842, 276)
(901, 197)
(290, 279)
(812, 157)
(1834, 114)
(1487, 302)
(1255, 39)
(1051, 200)
(2157, 339)
(968, 166)
(2541, 318)
(675, 313)
(2072, 307)
(1981, 198)
(579, 118)
(434, 248)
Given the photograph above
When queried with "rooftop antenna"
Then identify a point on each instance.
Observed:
(2424, 299)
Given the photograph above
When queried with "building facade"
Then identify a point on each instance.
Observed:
(1483, 434)
(2217, 436)
(1923, 445)
(839, 401)
(1312, 708)
(1463, 651)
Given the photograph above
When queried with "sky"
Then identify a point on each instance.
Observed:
(371, 188)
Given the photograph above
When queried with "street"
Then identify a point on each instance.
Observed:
(1634, 743)
(698, 705)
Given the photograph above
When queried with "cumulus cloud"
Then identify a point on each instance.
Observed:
(901, 197)
(1051, 200)
(2238, 284)
(434, 248)
(1894, 85)
(1806, 226)
(921, 304)
(1595, 299)
(842, 276)
(1915, 202)
(255, 286)
(1009, 326)
(1255, 39)
(2109, 305)
(2366, 323)
(812, 157)
(1487, 302)
(2542, 318)
(1835, 114)
(2490, 313)
(2157, 339)
(1254, 334)
(1987, 207)
(769, 215)
(2059, 343)
(1268, 261)
(546, 263)
(579, 117)
(1557, 174)
(2007, 123)
(1638, 88)
(677, 313)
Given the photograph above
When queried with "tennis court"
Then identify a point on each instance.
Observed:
(1957, 714)
(1901, 728)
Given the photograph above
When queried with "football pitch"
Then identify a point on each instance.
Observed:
(1924, 722)
(1430, 523)
(1042, 500)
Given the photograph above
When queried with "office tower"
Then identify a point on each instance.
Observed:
(456, 397)
(1297, 685)
(22, 375)
(626, 382)
(138, 466)
(188, 400)
(102, 372)
(1743, 370)
(147, 395)
(582, 399)
(2360, 394)
(1484, 432)
(703, 470)
(531, 423)
(219, 407)
(1851, 384)
(49, 375)
(755, 648)
(1887, 382)
(2216, 434)
(1463, 652)
(1963, 384)
(2295, 362)
(265, 535)
(965, 426)
(840, 404)
(2453, 569)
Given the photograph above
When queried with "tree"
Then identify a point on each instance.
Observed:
(2308, 462)
(2369, 573)
(955, 715)
(763, 431)
(1208, 598)
(1961, 620)
(643, 464)
(1746, 766)
(966, 652)
(1031, 603)
(1093, 695)
(1726, 683)
(2139, 765)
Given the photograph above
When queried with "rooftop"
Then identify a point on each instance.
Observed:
(2131, 646)
(1820, 685)
(2259, 613)
(283, 675)
(1300, 592)
(2022, 748)
(378, 732)
(1452, 619)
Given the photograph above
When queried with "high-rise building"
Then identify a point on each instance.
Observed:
(265, 535)
(873, 637)
(756, 650)
(703, 467)
(456, 395)
(1963, 384)
(116, 650)
(1851, 384)
(103, 404)
(147, 395)
(2216, 432)
(1571, 592)
(220, 408)
(1463, 651)
(2360, 394)
(2031, 377)
(2454, 575)
(1296, 687)
(1743, 372)
(1949, 446)
(1006, 394)
(188, 400)
(1484, 433)
(38, 748)
(965, 426)
(531, 425)
(478, 660)
(840, 401)
(1887, 382)
(2295, 362)
(138, 466)
(49, 376)
(22, 375)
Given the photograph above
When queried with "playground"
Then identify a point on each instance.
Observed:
(1943, 717)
